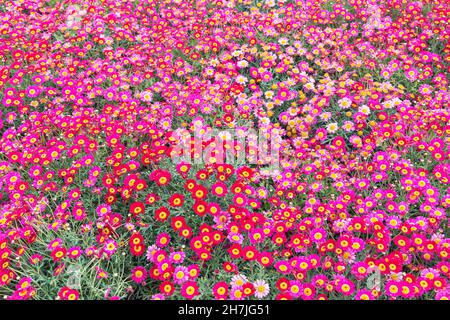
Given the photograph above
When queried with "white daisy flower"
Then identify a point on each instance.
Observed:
(261, 288)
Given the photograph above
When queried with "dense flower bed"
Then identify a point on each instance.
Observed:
(101, 99)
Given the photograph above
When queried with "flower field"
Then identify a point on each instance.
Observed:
(224, 149)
